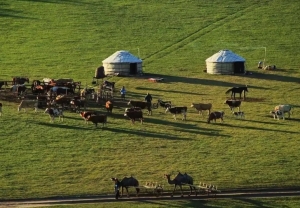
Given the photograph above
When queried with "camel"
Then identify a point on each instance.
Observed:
(125, 182)
(179, 180)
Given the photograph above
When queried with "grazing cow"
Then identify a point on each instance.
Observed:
(3, 83)
(239, 114)
(109, 106)
(163, 104)
(213, 116)
(178, 110)
(233, 104)
(19, 80)
(77, 104)
(202, 107)
(55, 112)
(0, 109)
(28, 104)
(284, 109)
(141, 104)
(278, 114)
(86, 114)
(95, 119)
(134, 114)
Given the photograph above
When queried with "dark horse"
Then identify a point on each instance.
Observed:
(239, 90)
(19, 80)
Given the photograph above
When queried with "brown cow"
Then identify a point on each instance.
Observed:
(86, 114)
(109, 106)
(202, 107)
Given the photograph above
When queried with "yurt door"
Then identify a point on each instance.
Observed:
(133, 68)
(239, 67)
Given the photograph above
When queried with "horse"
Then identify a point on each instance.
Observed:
(238, 90)
(19, 80)
(3, 83)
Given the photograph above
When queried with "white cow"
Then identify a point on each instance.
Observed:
(284, 109)
(28, 104)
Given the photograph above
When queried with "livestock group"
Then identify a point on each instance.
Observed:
(56, 96)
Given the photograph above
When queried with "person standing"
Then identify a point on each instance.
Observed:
(148, 99)
(123, 92)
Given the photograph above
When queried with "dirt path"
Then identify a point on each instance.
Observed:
(262, 193)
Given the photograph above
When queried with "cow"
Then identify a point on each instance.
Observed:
(0, 109)
(133, 109)
(19, 80)
(202, 107)
(178, 110)
(109, 106)
(163, 104)
(277, 114)
(28, 104)
(213, 116)
(141, 104)
(134, 114)
(233, 104)
(77, 104)
(55, 112)
(86, 114)
(109, 85)
(239, 114)
(95, 119)
(284, 109)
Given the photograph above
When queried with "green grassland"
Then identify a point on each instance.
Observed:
(64, 38)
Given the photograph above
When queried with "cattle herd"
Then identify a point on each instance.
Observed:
(55, 96)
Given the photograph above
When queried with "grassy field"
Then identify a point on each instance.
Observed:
(64, 38)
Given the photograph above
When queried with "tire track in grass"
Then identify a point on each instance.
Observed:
(196, 35)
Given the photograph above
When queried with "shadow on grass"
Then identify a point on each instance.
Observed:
(254, 128)
(79, 2)
(145, 134)
(63, 126)
(207, 82)
(173, 91)
(274, 77)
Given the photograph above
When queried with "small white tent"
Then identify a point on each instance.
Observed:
(123, 63)
(225, 62)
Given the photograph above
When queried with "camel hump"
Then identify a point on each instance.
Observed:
(130, 181)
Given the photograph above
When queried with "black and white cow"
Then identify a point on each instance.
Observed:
(277, 114)
(55, 112)
(233, 104)
(178, 110)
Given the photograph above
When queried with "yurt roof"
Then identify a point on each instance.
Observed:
(225, 56)
(122, 57)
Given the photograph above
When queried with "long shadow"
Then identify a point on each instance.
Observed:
(264, 122)
(61, 2)
(208, 82)
(144, 134)
(63, 126)
(174, 91)
(253, 128)
(275, 77)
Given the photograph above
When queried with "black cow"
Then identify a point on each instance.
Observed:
(178, 110)
(95, 119)
(134, 114)
(141, 104)
(19, 80)
(233, 104)
(215, 115)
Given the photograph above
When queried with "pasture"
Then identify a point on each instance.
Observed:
(64, 38)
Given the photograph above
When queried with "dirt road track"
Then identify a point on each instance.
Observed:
(229, 194)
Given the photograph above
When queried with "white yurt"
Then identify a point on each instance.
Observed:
(122, 63)
(225, 62)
